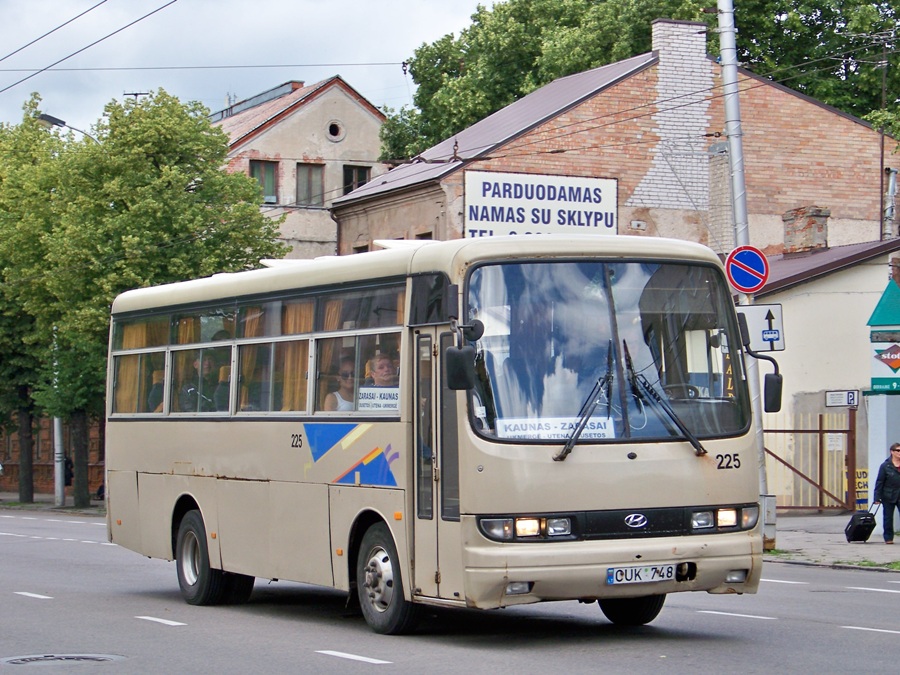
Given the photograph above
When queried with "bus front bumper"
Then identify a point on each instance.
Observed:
(504, 574)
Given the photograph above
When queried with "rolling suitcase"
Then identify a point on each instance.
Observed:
(861, 525)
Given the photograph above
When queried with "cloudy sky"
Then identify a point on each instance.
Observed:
(208, 50)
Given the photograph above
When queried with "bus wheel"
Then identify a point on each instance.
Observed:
(632, 611)
(200, 584)
(238, 588)
(379, 584)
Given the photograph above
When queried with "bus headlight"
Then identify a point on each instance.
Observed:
(701, 520)
(497, 528)
(528, 527)
(727, 518)
(559, 527)
(749, 517)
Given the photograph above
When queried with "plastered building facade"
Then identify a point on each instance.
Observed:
(307, 145)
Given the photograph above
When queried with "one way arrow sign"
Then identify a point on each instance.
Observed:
(766, 327)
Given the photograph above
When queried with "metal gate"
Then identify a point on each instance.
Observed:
(808, 458)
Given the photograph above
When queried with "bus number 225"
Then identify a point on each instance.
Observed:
(296, 440)
(728, 461)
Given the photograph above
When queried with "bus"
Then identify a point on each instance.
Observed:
(520, 419)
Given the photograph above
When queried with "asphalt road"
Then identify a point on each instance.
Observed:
(65, 593)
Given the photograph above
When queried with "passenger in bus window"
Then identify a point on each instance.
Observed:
(343, 398)
(196, 394)
(384, 372)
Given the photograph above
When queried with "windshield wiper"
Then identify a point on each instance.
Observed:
(639, 382)
(589, 406)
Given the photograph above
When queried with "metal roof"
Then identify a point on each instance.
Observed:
(506, 124)
(787, 270)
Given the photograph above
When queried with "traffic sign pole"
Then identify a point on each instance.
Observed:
(728, 52)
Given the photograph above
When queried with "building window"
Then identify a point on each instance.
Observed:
(354, 176)
(265, 172)
(310, 185)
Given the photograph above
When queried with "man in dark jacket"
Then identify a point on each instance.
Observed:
(887, 490)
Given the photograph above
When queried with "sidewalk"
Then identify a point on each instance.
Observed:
(47, 502)
(801, 539)
(819, 540)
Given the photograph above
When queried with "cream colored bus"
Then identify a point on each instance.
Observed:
(474, 423)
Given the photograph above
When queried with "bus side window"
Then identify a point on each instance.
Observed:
(157, 389)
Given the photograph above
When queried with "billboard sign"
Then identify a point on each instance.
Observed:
(522, 203)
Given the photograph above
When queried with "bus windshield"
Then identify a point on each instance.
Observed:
(620, 350)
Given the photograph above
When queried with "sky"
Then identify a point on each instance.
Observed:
(209, 50)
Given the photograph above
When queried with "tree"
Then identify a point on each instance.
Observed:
(827, 49)
(516, 47)
(148, 202)
(26, 179)
(831, 50)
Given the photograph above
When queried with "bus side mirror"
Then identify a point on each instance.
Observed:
(460, 365)
(772, 393)
(774, 381)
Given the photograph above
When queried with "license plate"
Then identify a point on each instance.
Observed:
(639, 574)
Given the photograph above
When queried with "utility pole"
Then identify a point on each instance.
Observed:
(728, 51)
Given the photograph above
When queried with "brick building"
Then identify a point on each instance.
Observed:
(655, 124)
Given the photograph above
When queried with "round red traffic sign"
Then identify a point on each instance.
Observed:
(747, 269)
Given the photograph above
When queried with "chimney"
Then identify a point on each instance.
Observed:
(683, 41)
(806, 229)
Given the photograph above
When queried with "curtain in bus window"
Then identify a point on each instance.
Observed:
(333, 310)
(401, 307)
(297, 317)
(252, 325)
(127, 394)
(187, 332)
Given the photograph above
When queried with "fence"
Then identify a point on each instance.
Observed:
(807, 460)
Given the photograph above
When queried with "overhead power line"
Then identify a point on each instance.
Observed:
(38, 39)
(65, 58)
(214, 67)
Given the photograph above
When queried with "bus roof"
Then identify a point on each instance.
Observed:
(399, 260)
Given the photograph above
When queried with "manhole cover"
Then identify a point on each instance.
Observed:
(44, 659)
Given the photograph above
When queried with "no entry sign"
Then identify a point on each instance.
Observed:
(747, 269)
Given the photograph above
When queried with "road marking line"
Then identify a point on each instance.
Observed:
(352, 657)
(742, 616)
(165, 622)
(875, 590)
(873, 630)
(34, 595)
(781, 581)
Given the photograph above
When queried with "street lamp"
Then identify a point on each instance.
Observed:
(51, 121)
(59, 479)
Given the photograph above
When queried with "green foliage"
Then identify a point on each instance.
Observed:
(147, 202)
(831, 50)
(516, 47)
(400, 138)
(827, 49)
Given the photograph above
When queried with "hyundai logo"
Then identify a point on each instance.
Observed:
(636, 520)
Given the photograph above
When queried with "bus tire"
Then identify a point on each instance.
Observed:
(632, 611)
(200, 584)
(379, 584)
(238, 588)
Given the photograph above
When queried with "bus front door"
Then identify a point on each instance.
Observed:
(437, 557)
